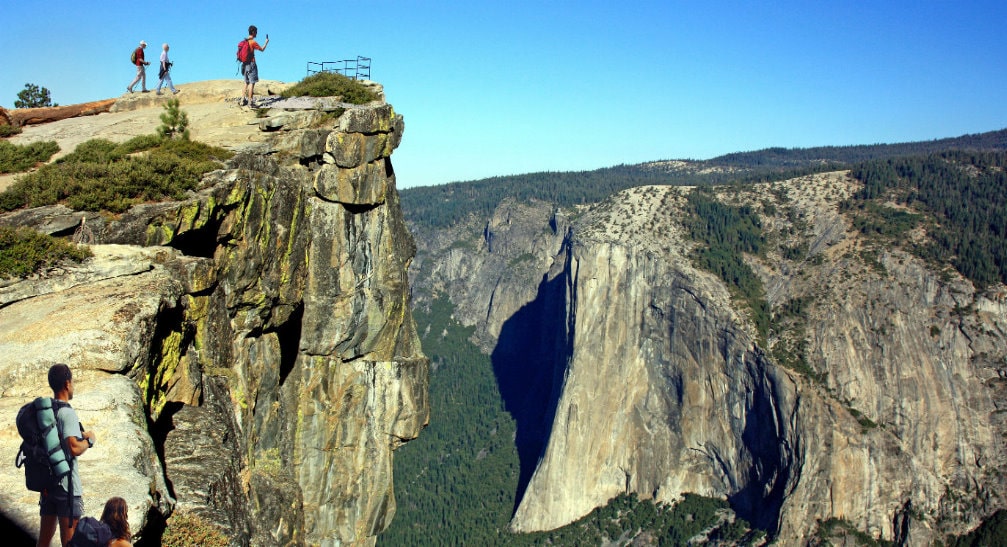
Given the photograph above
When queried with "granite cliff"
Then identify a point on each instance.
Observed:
(629, 370)
(247, 354)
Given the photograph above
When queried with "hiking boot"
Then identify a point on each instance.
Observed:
(159, 92)
(144, 91)
(175, 91)
(129, 90)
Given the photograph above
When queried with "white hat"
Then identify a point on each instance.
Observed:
(143, 44)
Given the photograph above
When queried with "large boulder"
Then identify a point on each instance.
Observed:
(99, 319)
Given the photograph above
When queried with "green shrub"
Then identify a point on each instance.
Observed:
(24, 251)
(185, 529)
(105, 151)
(195, 151)
(100, 175)
(9, 130)
(866, 424)
(15, 158)
(330, 84)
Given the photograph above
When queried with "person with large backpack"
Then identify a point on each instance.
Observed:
(246, 55)
(61, 498)
(141, 68)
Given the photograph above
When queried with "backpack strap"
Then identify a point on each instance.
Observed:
(58, 405)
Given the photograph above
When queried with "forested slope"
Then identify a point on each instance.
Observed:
(944, 201)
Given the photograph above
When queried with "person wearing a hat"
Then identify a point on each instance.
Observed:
(141, 69)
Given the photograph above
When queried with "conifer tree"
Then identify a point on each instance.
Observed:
(174, 121)
(33, 96)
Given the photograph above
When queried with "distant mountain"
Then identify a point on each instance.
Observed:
(798, 157)
(444, 205)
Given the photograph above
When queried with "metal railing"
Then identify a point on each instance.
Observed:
(358, 69)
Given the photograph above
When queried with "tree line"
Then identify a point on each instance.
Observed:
(962, 197)
(447, 204)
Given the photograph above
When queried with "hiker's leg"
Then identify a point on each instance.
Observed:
(251, 77)
(66, 527)
(139, 70)
(244, 90)
(46, 530)
(143, 73)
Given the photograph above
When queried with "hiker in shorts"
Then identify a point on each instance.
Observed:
(141, 69)
(54, 502)
(248, 68)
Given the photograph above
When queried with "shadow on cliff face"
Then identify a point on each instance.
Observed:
(529, 361)
(774, 458)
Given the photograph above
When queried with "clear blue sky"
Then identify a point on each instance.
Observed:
(499, 88)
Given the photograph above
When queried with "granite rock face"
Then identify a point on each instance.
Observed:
(655, 380)
(507, 259)
(268, 347)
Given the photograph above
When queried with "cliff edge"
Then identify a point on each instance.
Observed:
(247, 354)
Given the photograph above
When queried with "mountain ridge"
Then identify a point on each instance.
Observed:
(441, 205)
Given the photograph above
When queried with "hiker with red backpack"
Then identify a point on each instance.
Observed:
(53, 439)
(246, 54)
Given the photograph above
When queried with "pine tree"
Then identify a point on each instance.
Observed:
(174, 121)
(33, 96)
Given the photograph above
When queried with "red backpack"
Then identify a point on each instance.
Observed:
(244, 51)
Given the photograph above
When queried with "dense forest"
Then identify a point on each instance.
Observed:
(783, 157)
(729, 232)
(963, 197)
(445, 205)
(456, 484)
